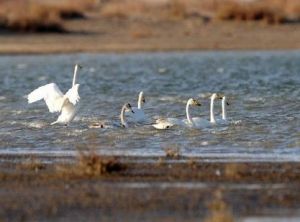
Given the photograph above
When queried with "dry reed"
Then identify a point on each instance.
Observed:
(269, 11)
(39, 16)
(172, 152)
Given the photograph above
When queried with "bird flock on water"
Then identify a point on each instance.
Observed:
(67, 105)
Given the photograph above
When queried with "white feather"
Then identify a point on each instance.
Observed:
(51, 94)
(73, 94)
(166, 123)
(162, 125)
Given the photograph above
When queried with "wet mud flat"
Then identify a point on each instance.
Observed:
(95, 188)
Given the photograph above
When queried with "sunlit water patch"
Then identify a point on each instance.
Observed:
(263, 89)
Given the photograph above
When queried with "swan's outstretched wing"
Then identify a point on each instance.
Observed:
(51, 94)
(73, 95)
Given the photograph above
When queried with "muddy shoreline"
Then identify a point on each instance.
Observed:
(160, 190)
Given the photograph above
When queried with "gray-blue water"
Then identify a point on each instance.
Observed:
(263, 89)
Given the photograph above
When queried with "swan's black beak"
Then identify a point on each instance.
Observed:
(79, 66)
(198, 104)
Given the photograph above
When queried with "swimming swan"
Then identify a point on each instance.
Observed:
(169, 122)
(139, 114)
(202, 123)
(57, 101)
(224, 103)
(125, 108)
(224, 113)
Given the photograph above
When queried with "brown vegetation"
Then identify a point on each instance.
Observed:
(219, 210)
(140, 31)
(32, 164)
(147, 25)
(172, 152)
(29, 17)
(38, 16)
(91, 164)
(123, 9)
(253, 11)
(49, 16)
(147, 10)
(233, 170)
(169, 191)
(270, 11)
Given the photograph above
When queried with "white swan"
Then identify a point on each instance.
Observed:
(224, 113)
(169, 122)
(212, 100)
(125, 108)
(57, 101)
(202, 123)
(224, 103)
(139, 114)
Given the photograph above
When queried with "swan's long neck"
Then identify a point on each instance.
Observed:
(187, 109)
(75, 74)
(224, 108)
(122, 117)
(140, 100)
(212, 115)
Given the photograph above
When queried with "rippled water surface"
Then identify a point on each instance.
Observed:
(263, 89)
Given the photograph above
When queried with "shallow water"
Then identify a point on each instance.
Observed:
(263, 89)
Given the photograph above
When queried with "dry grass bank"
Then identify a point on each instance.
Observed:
(40, 16)
(49, 15)
(270, 11)
(146, 25)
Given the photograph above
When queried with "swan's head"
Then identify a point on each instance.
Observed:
(225, 101)
(78, 66)
(216, 96)
(194, 102)
(142, 97)
(128, 107)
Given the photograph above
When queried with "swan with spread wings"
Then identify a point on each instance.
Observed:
(56, 101)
